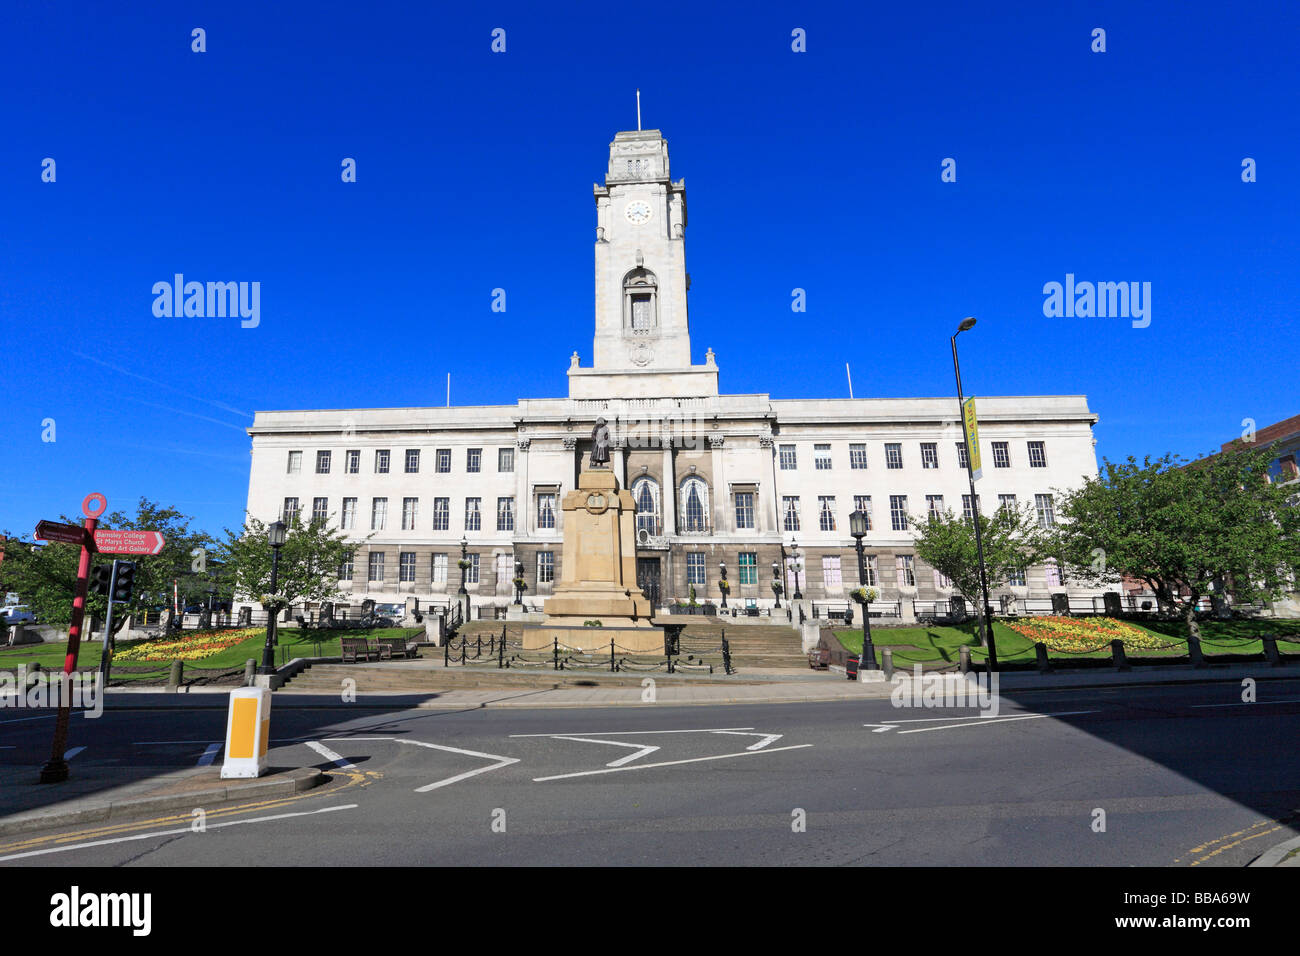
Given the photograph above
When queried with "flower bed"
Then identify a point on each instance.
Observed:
(189, 647)
(1081, 634)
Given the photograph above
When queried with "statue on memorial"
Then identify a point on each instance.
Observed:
(600, 444)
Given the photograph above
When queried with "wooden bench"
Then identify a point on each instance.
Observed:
(390, 647)
(356, 648)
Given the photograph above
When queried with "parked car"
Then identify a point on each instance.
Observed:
(17, 614)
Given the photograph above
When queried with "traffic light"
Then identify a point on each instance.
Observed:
(100, 576)
(125, 582)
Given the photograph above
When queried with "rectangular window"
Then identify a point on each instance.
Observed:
(695, 568)
(473, 517)
(863, 503)
(406, 567)
(545, 567)
(1053, 574)
(322, 463)
(545, 510)
(893, 455)
(873, 572)
(381, 461)
(934, 505)
(473, 460)
(290, 511)
(929, 455)
(898, 512)
(443, 464)
(295, 462)
(441, 514)
(744, 509)
(1046, 511)
(822, 457)
(320, 510)
(790, 507)
(345, 566)
(1007, 501)
(505, 514)
(505, 459)
(376, 572)
(831, 571)
(1001, 456)
(378, 514)
(749, 567)
(961, 454)
(438, 569)
(942, 581)
(826, 512)
(409, 507)
(412, 461)
(788, 461)
(471, 573)
(349, 514)
(1037, 455)
(353, 465)
(858, 456)
(1016, 577)
(903, 564)
(966, 508)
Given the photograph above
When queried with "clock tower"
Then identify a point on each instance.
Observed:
(642, 342)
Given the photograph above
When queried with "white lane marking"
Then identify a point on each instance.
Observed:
(630, 733)
(21, 720)
(337, 759)
(640, 751)
(72, 752)
(500, 761)
(209, 755)
(995, 720)
(184, 829)
(1242, 703)
(669, 763)
(767, 738)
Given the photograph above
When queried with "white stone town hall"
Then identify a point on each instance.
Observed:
(742, 479)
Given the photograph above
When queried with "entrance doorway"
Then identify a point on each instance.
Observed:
(647, 578)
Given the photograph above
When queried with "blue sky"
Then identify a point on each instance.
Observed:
(816, 170)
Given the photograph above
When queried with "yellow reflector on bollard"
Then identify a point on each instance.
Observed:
(248, 732)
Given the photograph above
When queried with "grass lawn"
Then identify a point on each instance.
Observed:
(292, 643)
(939, 645)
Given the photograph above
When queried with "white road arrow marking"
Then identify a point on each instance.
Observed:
(669, 763)
(73, 752)
(337, 759)
(767, 738)
(500, 761)
(640, 751)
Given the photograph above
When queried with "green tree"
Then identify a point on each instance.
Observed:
(1184, 528)
(308, 568)
(1011, 539)
(45, 575)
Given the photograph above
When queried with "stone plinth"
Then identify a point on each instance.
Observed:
(598, 574)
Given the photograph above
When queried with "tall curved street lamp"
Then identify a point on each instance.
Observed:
(794, 554)
(986, 627)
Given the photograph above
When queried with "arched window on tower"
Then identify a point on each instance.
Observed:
(640, 302)
(645, 493)
(695, 506)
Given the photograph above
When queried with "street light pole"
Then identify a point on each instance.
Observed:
(275, 535)
(858, 528)
(464, 560)
(986, 627)
(723, 586)
(776, 582)
(794, 554)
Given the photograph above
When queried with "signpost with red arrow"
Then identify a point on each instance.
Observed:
(128, 542)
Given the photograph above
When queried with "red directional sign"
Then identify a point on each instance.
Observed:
(57, 531)
(128, 542)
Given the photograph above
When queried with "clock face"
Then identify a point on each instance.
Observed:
(637, 212)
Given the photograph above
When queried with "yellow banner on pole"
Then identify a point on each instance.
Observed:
(972, 436)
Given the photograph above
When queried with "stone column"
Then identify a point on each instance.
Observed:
(668, 494)
(523, 496)
(619, 462)
(718, 518)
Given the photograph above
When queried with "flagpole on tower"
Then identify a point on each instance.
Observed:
(638, 111)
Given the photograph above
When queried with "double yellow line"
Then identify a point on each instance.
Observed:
(1252, 832)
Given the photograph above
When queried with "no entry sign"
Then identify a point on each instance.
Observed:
(128, 542)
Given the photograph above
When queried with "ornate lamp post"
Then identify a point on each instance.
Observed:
(858, 528)
(519, 583)
(986, 628)
(723, 586)
(794, 554)
(275, 535)
(776, 581)
(464, 564)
